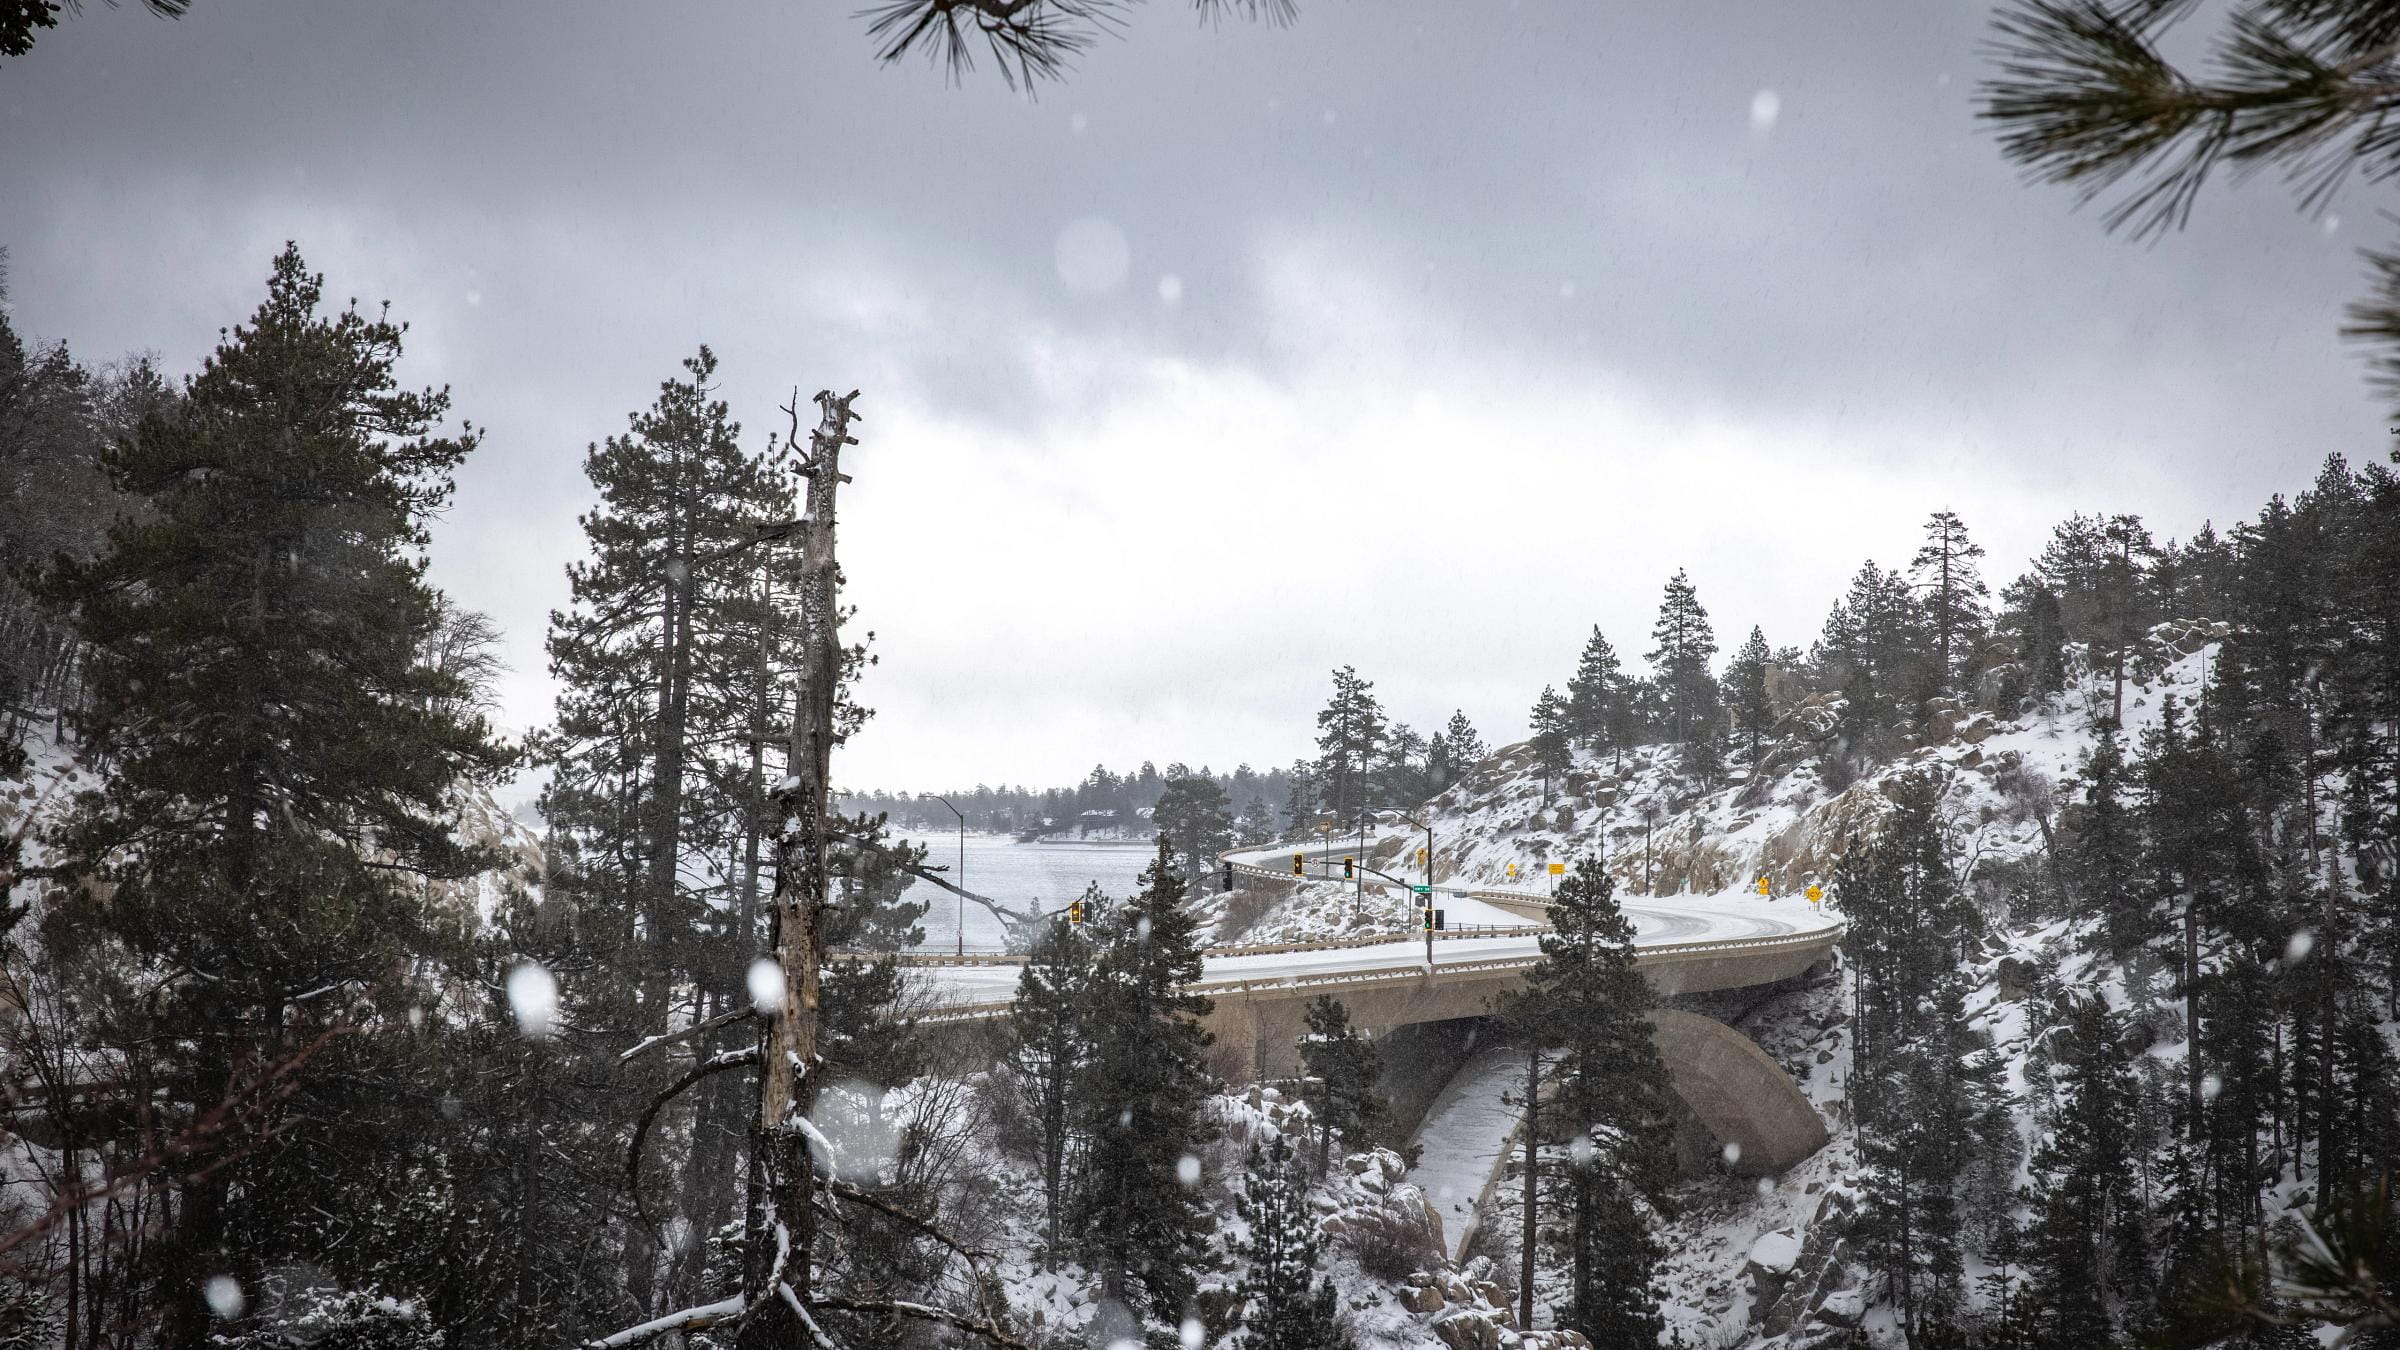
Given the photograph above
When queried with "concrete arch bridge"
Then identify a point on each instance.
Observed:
(1686, 945)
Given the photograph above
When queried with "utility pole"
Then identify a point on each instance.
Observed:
(781, 1220)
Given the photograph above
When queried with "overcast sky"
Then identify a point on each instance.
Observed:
(1418, 336)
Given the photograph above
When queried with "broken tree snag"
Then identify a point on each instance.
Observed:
(781, 1221)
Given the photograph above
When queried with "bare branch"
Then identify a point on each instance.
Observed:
(690, 1319)
(702, 1028)
(730, 1059)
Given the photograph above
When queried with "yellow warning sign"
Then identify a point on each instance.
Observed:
(1815, 893)
(1558, 869)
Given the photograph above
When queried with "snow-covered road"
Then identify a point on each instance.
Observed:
(1662, 922)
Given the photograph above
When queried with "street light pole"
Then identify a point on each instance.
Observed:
(1358, 896)
(1428, 829)
(962, 869)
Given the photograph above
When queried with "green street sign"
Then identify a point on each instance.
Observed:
(1422, 890)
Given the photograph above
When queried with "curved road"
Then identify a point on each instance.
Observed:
(1669, 927)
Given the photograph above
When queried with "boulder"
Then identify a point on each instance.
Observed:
(1422, 1300)
(1468, 1331)
(1843, 1308)
(1774, 1253)
(2016, 977)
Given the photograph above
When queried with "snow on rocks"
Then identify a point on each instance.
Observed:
(1774, 1254)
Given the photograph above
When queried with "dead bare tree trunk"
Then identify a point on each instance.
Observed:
(1533, 1189)
(781, 1222)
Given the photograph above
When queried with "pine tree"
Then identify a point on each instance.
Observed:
(2098, 568)
(1550, 744)
(1944, 569)
(1053, 1045)
(1350, 729)
(1284, 1305)
(1303, 800)
(1925, 1087)
(1191, 815)
(1403, 772)
(2104, 851)
(1466, 746)
(1344, 1088)
(1593, 692)
(1746, 690)
(1874, 653)
(280, 754)
(2032, 618)
(1685, 642)
(662, 756)
(1586, 999)
(2087, 1243)
(1141, 1095)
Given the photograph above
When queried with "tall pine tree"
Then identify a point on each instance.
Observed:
(1593, 692)
(1140, 1095)
(1685, 642)
(1284, 1305)
(282, 759)
(1586, 999)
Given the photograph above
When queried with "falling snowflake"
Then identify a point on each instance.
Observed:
(766, 987)
(1187, 1170)
(1765, 106)
(223, 1296)
(533, 996)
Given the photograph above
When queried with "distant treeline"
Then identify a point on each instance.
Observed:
(1104, 801)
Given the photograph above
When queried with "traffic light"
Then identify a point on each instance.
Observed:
(1420, 857)
(1229, 876)
(1349, 868)
(1075, 911)
(1299, 864)
(1426, 914)
(1435, 919)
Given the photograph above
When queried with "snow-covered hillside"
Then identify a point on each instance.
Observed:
(38, 798)
(1770, 1264)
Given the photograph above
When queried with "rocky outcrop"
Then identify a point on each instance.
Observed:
(1819, 1272)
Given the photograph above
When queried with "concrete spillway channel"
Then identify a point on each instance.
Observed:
(1466, 1133)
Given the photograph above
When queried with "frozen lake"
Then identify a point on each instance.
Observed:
(1050, 873)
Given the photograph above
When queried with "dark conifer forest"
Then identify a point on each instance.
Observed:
(436, 917)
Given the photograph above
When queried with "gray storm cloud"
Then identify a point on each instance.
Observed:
(1171, 371)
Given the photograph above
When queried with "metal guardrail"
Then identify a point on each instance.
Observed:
(1763, 942)
(1394, 974)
